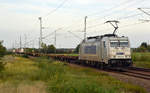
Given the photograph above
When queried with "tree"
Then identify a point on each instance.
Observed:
(2, 53)
(51, 49)
(44, 48)
(2, 50)
(77, 49)
(29, 50)
(148, 47)
(142, 49)
(144, 44)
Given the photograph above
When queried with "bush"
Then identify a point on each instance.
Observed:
(2, 50)
(25, 56)
(2, 53)
(2, 66)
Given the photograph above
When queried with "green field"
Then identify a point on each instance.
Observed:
(141, 59)
(43, 75)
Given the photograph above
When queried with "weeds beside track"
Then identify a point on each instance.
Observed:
(130, 71)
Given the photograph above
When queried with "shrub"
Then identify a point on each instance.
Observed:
(25, 56)
(2, 66)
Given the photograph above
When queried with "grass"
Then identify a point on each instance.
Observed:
(69, 54)
(73, 54)
(141, 56)
(47, 76)
(141, 59)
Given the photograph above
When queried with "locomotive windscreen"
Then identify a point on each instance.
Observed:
(119, 43)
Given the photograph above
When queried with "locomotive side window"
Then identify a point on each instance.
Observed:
(90, 49)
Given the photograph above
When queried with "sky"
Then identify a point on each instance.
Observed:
(19, 18)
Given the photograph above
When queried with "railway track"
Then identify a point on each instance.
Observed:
(134, 73)
(139, 69)
(137, 74)
(130, 71)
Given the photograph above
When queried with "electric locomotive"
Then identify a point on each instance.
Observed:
(108, 49)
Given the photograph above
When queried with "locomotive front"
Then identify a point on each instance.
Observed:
(119, 51)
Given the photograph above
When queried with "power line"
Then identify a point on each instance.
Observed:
(55, 38)
(30, 41)
(125, 2)
(78, 24)
(25, 40)
(104, 10)
(49, 35)
(118, 5)
(59, 6)
(126, 17)
(120, 18)
(132, 24)
(141, 9)
(20, 42)
(75, 35)
(124, 26)
(115, 11)
(97, 24)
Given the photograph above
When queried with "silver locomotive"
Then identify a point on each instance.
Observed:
(109, 49)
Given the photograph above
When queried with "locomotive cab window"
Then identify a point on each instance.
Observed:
(119, 44)
(114, 44)
(124, 44)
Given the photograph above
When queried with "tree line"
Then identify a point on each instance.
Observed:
(49, 49)
(144, 47)
(2, 53)
(2, 50)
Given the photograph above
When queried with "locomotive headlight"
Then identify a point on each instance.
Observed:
(113, 52)
(113, 56)
(127, 56)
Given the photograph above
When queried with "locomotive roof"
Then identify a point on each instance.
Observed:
(96, 38)
(102, 36)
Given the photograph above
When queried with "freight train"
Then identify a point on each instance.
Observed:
(108, 49)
